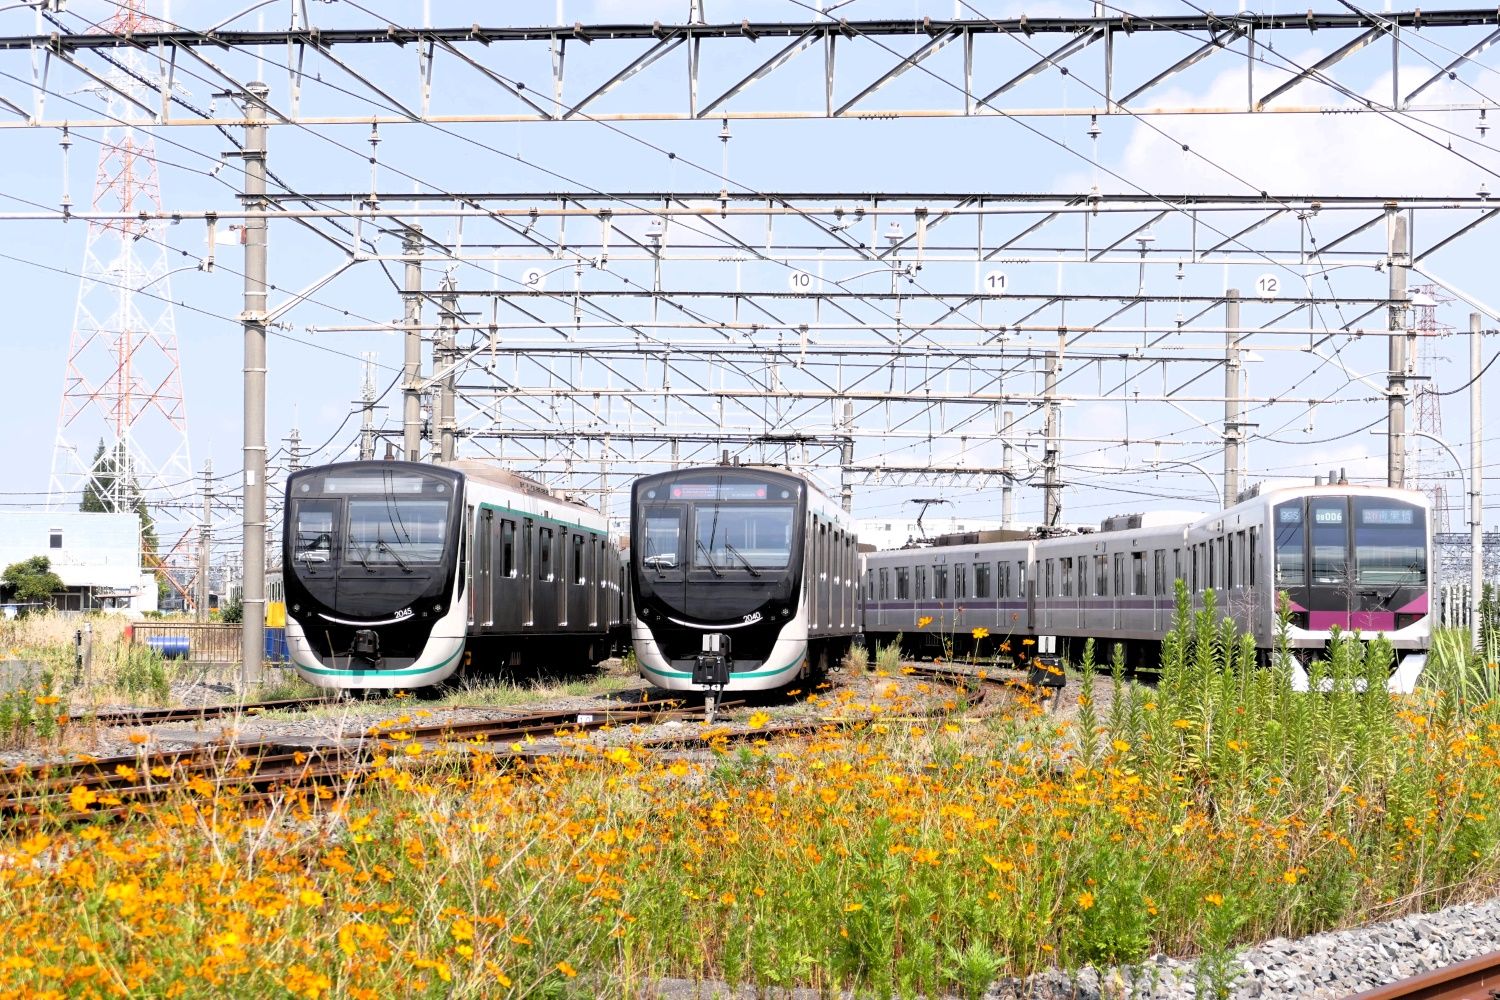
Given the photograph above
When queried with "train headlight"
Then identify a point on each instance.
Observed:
(1406, 620)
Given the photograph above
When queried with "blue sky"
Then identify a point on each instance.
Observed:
(314, 376)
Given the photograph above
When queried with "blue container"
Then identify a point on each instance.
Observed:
(276, 645)
(173, 647)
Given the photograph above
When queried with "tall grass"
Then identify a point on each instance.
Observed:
(906, 857)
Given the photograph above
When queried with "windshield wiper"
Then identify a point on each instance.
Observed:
(359, 553)
(741, 557)
(709, 558)
(381, 543)
(654, 561)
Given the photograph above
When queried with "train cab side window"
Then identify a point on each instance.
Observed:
(981, 579)
(903, 583)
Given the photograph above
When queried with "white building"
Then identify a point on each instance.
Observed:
(894, 532)
(97, 556)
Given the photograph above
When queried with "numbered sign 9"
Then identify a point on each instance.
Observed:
(534, 278)
(1268, 286)
(993, 283)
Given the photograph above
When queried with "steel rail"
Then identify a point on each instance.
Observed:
(1476, 979)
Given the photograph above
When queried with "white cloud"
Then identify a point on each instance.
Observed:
(1346, 153)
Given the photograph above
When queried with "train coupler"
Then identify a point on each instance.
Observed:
(711, 668)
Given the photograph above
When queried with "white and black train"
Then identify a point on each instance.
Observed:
(398, 573)
(1348, 556)
(743, 578)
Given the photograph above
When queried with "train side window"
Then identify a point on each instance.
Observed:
(903, 584)
(579, 577)
(544, 553)
(1138, 573)
(981, 579)
(507, 548)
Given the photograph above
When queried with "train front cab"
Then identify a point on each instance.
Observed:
(1356, 561)
(371, 555)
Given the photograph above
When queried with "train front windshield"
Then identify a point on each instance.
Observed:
(737, 536)
(1390, 544)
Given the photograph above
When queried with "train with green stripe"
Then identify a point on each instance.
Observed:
(402, 574)
(743, 578)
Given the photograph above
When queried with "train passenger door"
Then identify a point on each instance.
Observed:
(528, 570)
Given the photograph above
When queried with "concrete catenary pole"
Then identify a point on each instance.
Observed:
(205, 540)
(253, 599)
(1007, 491)
(1232, 397)
(1051, 489)
(1395, 461)
(1476, 485)
(446, 361)
(411, 423)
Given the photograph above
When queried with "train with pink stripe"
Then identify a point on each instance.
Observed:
(1353, 557)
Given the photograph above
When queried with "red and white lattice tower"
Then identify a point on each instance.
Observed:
(1433, 469)
(123, 383)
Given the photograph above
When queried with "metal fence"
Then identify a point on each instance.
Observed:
(204, 642)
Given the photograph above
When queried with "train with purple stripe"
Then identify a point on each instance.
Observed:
(1354, 557)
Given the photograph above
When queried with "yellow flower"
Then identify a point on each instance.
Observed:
(727, 898)
(566, 969)
(1120, 745)
(309, 897)
(1028, 642)
(80, 798)
(924, 621)
(1289, 877)
(980, 633)
(758, 719)
(48, 699)
(1181, 724)
(1085, 900)
(1214, 898)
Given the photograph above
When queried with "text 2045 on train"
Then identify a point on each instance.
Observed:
(394, 571)
(1347, 556)
(743, 577)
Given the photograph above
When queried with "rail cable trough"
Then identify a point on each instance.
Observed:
(1476, 979)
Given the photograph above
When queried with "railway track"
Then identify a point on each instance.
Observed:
(113, 786)
(156, 716)
(1476, 979)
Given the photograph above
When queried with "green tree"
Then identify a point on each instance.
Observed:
(101, 496)
(30, 581)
